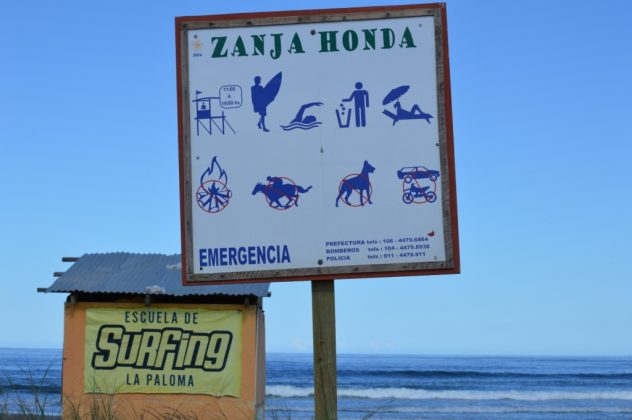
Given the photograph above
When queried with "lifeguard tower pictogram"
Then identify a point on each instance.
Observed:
(209, 110)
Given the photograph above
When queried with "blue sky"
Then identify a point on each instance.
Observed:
(542, 111)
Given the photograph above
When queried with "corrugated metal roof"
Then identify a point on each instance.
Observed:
(123, 272)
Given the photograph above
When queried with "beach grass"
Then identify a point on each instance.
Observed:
(36, 405)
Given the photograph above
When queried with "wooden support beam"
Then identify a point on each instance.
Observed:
(324, 331)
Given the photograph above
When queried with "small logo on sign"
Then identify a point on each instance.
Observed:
(197, 47)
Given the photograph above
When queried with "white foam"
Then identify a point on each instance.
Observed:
(509, 410)
(287, 391)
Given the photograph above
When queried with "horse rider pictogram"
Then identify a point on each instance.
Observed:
(281, 193)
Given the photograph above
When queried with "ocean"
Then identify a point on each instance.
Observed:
(396, 386)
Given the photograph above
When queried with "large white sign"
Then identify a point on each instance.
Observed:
(319, 149)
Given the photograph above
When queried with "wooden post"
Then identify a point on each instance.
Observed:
(324, 331)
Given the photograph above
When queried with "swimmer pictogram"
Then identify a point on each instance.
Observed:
(303, 121)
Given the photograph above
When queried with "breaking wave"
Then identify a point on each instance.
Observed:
(288, 391)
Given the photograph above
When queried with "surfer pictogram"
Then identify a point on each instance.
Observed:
(262, 96)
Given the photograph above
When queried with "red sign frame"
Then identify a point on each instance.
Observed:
(438, 10)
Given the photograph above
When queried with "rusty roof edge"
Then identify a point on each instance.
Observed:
(139, 274)
(112, 292)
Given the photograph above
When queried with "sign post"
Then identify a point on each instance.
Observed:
(324, 331)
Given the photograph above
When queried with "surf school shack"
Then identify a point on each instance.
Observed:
(137, 344)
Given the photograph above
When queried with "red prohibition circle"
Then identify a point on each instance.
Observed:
(291, 201)
(344, 180)
(417, 200)
(221, 202)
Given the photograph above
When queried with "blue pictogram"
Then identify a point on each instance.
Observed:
(262, 96)
(360, 98)
(207, 114)
(213, 194)
(281, 192)
(418, 184)
(415, 112)
(358, 186)
(302, 121)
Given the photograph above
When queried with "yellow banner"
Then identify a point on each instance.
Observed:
(163, 351)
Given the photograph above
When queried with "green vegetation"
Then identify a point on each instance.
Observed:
(36, 405)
